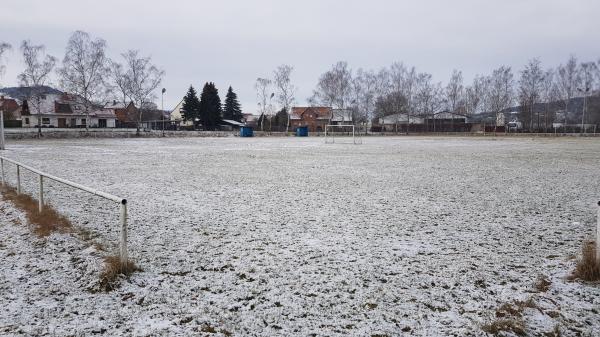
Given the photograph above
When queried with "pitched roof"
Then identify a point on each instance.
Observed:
(322, 112)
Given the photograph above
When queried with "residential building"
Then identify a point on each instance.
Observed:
(55, 109)
(126, 114)
(316, 118)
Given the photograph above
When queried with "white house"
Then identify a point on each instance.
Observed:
(54, 109)
(177, 116)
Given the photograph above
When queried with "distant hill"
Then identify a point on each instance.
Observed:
(21, 93)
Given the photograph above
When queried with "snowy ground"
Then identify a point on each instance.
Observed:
(289, 236)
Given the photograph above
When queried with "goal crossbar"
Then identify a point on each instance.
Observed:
(330, 133)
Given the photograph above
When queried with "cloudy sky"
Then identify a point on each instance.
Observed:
(232, 42)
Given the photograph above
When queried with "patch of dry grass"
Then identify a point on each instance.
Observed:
(588, 267)
(542, 284)
(514, 325)
(509, 318)
(113, 269)
(45, 222)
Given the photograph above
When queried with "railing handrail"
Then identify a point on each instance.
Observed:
(67, 182)
(123, 255)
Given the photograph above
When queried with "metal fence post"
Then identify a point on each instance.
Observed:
(18, 179)
(598, 236)
(2, 169)
(123, 251)
(41, 194)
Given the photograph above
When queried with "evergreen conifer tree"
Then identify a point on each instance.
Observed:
(232, 109)
(210, 107)
(191, 105)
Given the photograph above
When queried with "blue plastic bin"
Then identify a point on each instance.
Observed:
(246, 131)
(302, 131)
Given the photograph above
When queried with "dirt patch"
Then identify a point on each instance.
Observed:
(45, 222)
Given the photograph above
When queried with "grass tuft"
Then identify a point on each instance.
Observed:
(509, 318)
(588, 267)
(113, 270)
(514, 325)
(542, 284)
(45, 222)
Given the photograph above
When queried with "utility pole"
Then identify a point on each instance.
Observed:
(2, 127)
(162, 109)
(585, 93)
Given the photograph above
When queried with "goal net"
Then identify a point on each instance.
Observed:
(342, 133)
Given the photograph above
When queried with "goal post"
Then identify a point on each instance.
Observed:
(343, 131)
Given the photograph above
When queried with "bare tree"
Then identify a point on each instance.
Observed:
(264, 95)
(568, 79)
(38, 67)
(598, 76)
(475, 94)
(391, 103)
(530, 90)
(118, 81)
(334, 87)
(501, 91)
(454, 93)
(404, 81)
(587, 72)
(142, 79)
(549, 94)
(285, 90)
(364, 88)
(84, 69)
(455, 90)
(4, 47)
(429, 97)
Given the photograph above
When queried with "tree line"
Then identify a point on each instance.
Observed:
(400, 88)
(208, 110)
(89, 73)
(280, 88)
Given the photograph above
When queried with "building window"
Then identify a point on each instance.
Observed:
(45, 120)
(83, 121)
(26, 120)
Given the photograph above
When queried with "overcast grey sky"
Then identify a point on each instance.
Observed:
(234, 42)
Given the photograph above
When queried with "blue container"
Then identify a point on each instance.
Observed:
(302, 131)
(246, 131)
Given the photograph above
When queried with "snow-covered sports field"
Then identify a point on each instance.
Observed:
(292, 237)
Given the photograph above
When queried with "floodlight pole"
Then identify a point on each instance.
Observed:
(584, 108)
(162, 109)
(2, 128)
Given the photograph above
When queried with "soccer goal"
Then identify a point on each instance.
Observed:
(342, 132)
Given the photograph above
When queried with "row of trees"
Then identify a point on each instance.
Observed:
(280, 88)
(208, 110)
(402, 89)
(89, 73)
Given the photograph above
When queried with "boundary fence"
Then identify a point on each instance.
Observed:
(123, 256)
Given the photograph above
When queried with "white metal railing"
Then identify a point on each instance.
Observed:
(598, 235)
(123, 202)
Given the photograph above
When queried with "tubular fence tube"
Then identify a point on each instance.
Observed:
(41, 194)
(67, 182)
(598, 236)
(123, 249)
(18, 180)
(123, 202)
